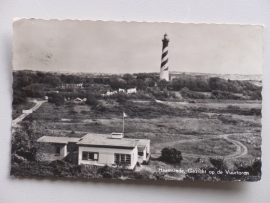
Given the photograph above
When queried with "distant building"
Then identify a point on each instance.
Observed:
(101, 149)
(111, 93)
(131, 90)
(79, 85)
(27, 111)
(121, 90)
(71, 85)
(128, 91)
(78, 99)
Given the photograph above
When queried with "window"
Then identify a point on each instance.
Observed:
(122, 159)
(71, 147)
(57, 150)
(140, 153)
(84, 155)
(90, 156)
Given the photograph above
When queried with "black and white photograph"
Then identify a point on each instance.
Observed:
(136, 100)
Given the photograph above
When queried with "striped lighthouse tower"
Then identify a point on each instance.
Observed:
(164, 69)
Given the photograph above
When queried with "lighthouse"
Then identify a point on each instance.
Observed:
(164, 69)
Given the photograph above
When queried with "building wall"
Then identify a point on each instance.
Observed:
(148, 147)
(164, 75)
(106, 155)
(132, 90)
(27, 111)
(72, 147)
(63, 150)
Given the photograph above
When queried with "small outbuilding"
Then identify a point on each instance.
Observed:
(62, 145)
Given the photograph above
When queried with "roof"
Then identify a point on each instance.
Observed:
(60, 140)
(143, 142)
(106, 140)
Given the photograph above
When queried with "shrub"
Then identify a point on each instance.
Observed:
(218, 163)
(255, 111)
(254, 167)
(84, 112)
(186, 93)
(171, 155)
(57, 99)
(91, 100)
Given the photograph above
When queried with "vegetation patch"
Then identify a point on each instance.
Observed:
(211, 147)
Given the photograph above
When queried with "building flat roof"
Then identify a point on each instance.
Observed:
(143, 142)
(106, 140)
(60, 140)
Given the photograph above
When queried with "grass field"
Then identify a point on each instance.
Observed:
(190, 128)
(211, 147)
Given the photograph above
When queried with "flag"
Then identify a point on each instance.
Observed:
(124, 115)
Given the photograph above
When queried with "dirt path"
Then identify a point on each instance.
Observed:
(241, 149)
(21, 117)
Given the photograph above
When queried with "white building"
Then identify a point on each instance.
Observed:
(78, 99)
(27, 111)
(102, 149)
(121, 90)
(111, 93)
(79, 85)
(132, 90)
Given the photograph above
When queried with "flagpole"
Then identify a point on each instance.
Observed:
(123, 123)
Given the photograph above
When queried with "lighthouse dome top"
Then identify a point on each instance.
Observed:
(166, 37)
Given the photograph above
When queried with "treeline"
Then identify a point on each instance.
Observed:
(32, 84)
(38, 84)
(191, 86)
(203, 84)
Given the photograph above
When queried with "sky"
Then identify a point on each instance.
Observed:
(132, 47)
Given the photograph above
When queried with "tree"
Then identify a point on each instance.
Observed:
(91, 100)
(127, 77)
(18, 97)
(162, 84)
(22, 143)
(56, 98)
(54, 81)
(34, 90)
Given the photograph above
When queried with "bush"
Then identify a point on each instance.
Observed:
(233, 107)
(186, 93)
(91, 100)
(171, 155)
(218, 163)
(121, 100)
(225, 95)
(254, 167)
(56, 99)
(255, 111)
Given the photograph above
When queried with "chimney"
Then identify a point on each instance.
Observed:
(117, 135)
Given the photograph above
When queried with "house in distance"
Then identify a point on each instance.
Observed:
(100, 149)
